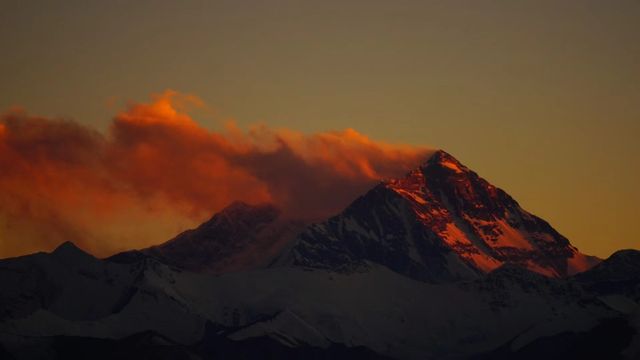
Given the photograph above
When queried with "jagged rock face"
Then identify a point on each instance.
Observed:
(441, 222)
(240, 237)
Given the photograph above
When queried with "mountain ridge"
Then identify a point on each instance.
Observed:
(440, 222)
(376, 309)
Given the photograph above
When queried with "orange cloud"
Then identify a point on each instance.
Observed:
(157, 171)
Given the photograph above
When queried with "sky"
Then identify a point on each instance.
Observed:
(542, 98)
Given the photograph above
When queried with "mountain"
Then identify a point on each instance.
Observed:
(68, 304)
(441, 222)
(439, 265)
(240, 237)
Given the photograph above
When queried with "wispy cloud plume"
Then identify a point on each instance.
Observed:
(157, 171)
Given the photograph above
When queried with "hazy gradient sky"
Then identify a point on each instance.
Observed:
(542, 98)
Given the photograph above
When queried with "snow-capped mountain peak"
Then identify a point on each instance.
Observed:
(441, 221)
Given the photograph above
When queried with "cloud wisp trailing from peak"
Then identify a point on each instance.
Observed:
(156, 171)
